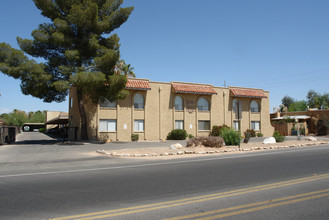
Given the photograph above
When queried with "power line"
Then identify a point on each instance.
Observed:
(286, 76)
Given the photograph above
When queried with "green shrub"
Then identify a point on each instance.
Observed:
(278, 137)
(231, 137)
(134, 137)
(260, 134)
(251, 132)
(177, 134)
(222, 129)
(214, 131)
(42, 130)
(190, 136)
(210, 141)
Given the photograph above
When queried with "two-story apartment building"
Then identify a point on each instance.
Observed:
(153, 109)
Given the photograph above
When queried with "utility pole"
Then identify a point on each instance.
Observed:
(238, 107)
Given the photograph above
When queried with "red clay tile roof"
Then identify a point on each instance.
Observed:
(193, 88)
(138, 84)
(252, 93)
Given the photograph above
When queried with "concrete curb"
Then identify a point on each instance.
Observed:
(208, 152)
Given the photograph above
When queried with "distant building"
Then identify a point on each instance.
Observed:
(56, 119)
(310, 120)
(153, 109)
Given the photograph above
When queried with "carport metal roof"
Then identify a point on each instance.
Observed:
(298, 117)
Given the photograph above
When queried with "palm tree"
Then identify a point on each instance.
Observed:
(124, 69)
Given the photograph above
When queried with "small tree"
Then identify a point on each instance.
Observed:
(298, 106)
(287, 101)
(313, 99)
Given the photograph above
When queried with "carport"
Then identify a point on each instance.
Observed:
(33, 126)
(61, 120)
(58, 125)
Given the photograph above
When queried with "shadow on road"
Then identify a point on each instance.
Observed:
(35, 142)
(36, 138)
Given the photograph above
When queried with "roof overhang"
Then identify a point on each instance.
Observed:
(298, 117)
(138, 84)
(247, 93)
(62, 119)
(193, 88)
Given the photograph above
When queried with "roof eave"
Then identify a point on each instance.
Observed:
(201, 93)
(135, 88)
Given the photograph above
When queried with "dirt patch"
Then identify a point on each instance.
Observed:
(166, 153)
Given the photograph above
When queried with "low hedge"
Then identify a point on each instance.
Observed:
(177, 134)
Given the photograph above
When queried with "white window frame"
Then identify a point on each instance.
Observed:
(139, 101)
(179, 124)
(203, 104)
(107, 125)
(203, 122)
(236, 125)
(179, 103)
(254, 107)
(254, 125)
(139, 125)
(107, 103)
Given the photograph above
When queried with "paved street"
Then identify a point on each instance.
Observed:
(54, 181)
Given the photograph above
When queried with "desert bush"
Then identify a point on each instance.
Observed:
(260, 134)
(210, 141)
(134, 137)
(278, 137)
(177, 134)
(231, 137)
(251, 132)
(246, 138)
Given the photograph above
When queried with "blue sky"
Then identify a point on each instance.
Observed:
(281, 46)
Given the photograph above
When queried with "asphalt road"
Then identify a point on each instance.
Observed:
(280, 184)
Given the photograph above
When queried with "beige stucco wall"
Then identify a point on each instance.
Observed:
(159, 114)
(51, 115)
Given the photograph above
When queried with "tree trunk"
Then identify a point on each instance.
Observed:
(83, 116)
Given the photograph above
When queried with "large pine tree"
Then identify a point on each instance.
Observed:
(78, 50)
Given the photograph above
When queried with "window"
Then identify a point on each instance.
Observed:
(139, 125)
(107, 125)
(236, 125)
(105, 103)
(204, 125)
(203, 104)
(254, 107)
(178, 103)
(139, 101)
(255, 125)
(179, 124)
(235, 108)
